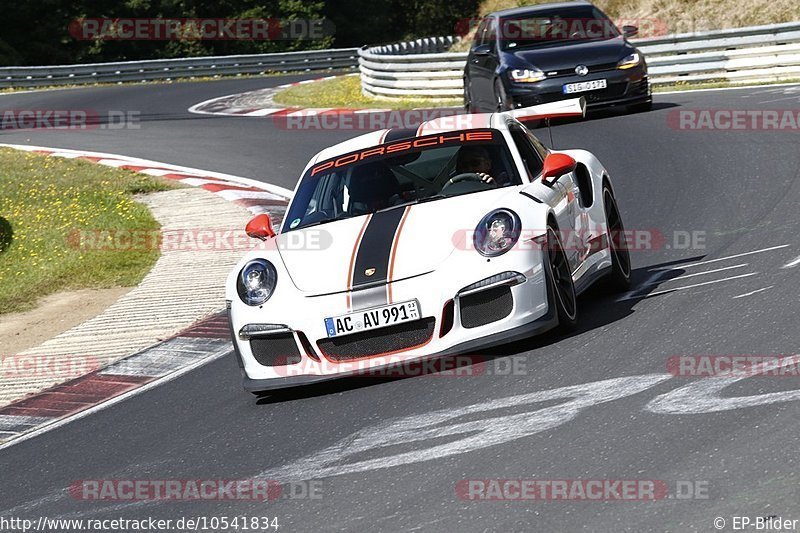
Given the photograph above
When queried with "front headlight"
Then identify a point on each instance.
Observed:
(256, 282)
(526, 75)
(629, 61)
(497, 233)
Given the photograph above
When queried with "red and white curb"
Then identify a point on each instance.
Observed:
(231, 106)
(199, 344)
(255, 196)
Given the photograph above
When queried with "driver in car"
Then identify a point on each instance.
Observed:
(474, 160)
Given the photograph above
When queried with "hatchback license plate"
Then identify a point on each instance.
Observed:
(584, 86)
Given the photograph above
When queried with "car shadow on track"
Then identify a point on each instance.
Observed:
(598, 307)
(599, 114)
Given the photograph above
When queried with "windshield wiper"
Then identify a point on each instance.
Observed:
(340, 216)
(413, 202)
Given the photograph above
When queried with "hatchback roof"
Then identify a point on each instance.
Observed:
(528, 10)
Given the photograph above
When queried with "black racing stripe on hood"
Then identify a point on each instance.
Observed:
(376, 248)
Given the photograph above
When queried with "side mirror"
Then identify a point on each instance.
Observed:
(630, 31)
(260, 227)
(482, 50)
(556, 165)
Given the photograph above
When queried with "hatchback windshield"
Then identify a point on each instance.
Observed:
(549, 27)
(400, 173)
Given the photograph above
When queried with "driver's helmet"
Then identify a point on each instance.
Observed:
(372, 186)
(473, 159)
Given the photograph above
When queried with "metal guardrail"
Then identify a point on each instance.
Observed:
(425, 68)
(164, 69)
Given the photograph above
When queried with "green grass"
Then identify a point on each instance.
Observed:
(45, 201)
(345, 92)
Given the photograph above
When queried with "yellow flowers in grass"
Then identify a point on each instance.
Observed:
(43, 201)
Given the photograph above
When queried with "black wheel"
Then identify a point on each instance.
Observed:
(564, 298)
(620, 276)
(500, 97)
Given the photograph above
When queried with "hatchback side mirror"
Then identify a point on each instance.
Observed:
(260, 227)
(630, 31)
(482, 50)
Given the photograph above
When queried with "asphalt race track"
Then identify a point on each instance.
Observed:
(387, 455)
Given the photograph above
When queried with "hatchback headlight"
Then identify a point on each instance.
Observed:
(629, 61)
(256, 282)
(497, 233)
(526, 75)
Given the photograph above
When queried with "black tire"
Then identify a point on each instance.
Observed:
(563, 289)
(620, 277)
(500, 97)
(468, 106)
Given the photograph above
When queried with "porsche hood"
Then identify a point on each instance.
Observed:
(385, 246)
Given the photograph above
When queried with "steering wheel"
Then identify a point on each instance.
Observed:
(469, 176)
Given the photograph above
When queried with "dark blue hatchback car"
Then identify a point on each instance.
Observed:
(540, 54)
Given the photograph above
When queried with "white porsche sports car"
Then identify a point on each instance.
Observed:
(401, 245)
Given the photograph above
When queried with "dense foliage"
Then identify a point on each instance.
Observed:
(36, 32)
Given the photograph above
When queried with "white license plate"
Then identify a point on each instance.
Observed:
(584, 86)
(374, 318)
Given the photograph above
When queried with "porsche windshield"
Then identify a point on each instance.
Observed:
(400, 173)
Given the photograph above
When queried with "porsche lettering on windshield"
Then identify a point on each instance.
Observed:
(404, 146)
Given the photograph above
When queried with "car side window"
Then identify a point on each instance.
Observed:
(537, 144)
(490, 37)
(530, 157)
(478, 40)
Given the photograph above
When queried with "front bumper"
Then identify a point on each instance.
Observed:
(540, 325)
(625, 87)
(308, 363)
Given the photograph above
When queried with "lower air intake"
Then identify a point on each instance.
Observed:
(275, 350)
(485, 307)
(379, 341)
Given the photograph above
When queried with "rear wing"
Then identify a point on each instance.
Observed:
(575, 107)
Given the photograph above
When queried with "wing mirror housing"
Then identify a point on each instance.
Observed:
(556, 165)
(630, 31)
(260, 227)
